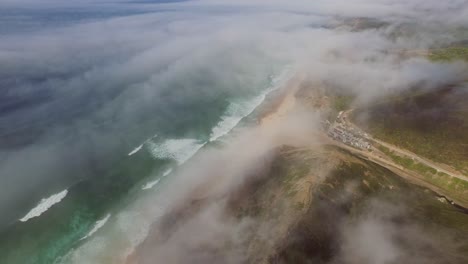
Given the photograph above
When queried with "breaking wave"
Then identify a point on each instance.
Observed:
(167, 172)
(237, 110)
(97, 226)
(135, 150)
(179, 150)
(132, 225)
(150, 184)
(44, 205)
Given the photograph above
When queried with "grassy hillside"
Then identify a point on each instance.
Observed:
(315, 206)
(449, 54)
(432, 124)
(457, 188)
(358, 194)
(312, 199)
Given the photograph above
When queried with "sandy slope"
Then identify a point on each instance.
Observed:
(286, 105)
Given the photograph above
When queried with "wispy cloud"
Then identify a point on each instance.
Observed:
(82, 93)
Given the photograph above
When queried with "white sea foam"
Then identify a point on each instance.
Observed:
(135, 150)
(236, 111)
(150, 184)
(234, 114)
(132, 226)
(44, 205)
(179, 150)
(129, 230)
(97, 226)
(167, 172)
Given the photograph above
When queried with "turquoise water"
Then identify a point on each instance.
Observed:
(63, 226)
(91, 123)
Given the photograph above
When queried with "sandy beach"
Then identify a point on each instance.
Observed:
(279, 108)
(285, 104)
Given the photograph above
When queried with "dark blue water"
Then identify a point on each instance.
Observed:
(20, 20)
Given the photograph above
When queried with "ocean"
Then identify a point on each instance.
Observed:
(100, 104)
(67, 219)
(83, 149)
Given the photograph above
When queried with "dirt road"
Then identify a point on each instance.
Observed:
(377, 157)
(403, 152)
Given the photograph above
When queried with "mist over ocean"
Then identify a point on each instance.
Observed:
(99, 105)
(120, 116)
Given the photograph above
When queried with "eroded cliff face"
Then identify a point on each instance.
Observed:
(311, 206)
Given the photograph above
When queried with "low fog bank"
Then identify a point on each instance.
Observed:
(77, 98)
(203, 221)
(200, 222)
(191, 218)
(367, 63)
(385, 234)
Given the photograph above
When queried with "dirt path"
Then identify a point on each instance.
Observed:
(409, 175)
(439, 167)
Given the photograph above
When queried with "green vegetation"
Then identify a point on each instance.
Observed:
(377, 184)
(449, 54)
(437, 145)
(356, 189)
(432, 124)
(300, 206)
(409, 163)
(457, 188)
(338, 189)
(342, 102)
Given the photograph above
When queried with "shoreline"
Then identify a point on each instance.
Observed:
(276, 106)
(282, 103)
